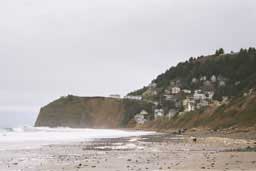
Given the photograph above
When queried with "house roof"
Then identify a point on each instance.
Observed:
(143, 112)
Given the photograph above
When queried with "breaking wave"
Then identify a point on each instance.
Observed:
(29, 136)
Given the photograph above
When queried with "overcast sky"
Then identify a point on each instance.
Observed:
(51, 48)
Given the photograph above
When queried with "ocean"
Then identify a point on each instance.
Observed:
(35, 137)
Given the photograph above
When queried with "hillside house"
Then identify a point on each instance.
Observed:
(203, 78)
(199, 96)
(186, 91)
(207, 83)
(194, 80)
(133, 97)
(189, 105)
(209, 95)
(175, 90)
(222, 83)
(140, 118)
(213, 78)
(158, 113)
(169, 97)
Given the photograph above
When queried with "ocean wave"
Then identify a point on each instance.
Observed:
(39, 129)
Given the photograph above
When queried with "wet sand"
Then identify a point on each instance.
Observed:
(146, 153)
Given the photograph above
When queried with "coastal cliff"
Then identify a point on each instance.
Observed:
(90, 112)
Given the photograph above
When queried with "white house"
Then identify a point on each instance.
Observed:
(203, 78)
(133, 97)
(222, 83)
(171, 113)
(169, 97)
(199, 96)
(187, 91)
(210, 94)
(144, 112)
(207, 83)
(158, 113)
(175, 90)
(140, 117)
(194, 80)
(189, 105)
(213, 78)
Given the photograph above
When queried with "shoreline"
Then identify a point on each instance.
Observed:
(165, 151)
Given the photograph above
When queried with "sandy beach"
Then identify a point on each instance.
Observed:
(150, 152)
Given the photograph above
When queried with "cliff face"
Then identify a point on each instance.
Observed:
(90, 112)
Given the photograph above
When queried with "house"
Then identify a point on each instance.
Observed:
(203, 78)
(158, 113)
(169, 97)
(154, 92)
(198, 95)
(155, 103)
(187, 91)
(194, 80)
(133, 97)
(237, 83)
(115, 96)
(144, 112)
(207, 83)
(189, 105)
(175, 90)
(213, 78)
(222, 83)
(140, 118)
(209, 95)
(171, 113)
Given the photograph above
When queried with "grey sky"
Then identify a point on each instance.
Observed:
(50, 48)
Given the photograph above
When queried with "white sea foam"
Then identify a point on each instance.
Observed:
(34, 137)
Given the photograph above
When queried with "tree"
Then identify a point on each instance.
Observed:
(219, 52)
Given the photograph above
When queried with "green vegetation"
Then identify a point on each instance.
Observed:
(237, 69)
(219, 52)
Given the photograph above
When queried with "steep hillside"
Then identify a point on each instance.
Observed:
(215, 91)
(239, 113)
(90, 112)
